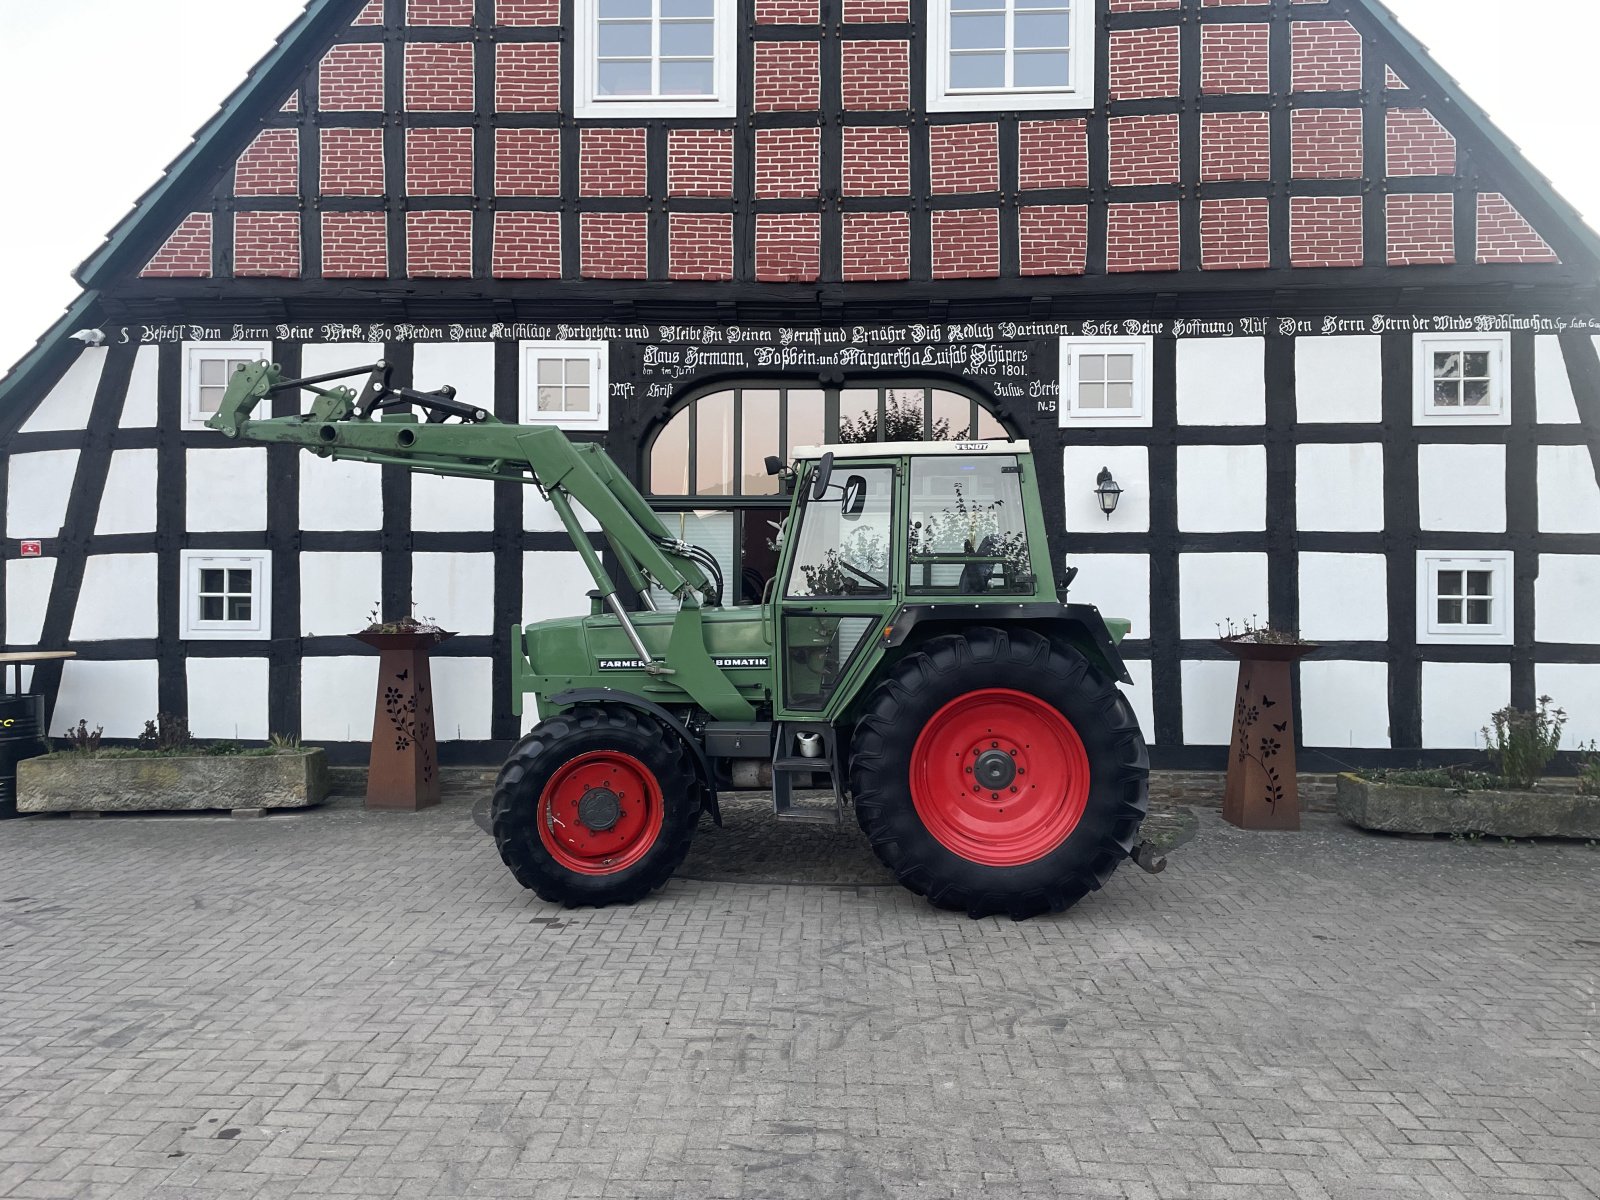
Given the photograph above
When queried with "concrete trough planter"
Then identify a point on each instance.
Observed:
(243, 783)
(1393, 808)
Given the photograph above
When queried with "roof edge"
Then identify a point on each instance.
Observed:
(46, 354)
(226, 134)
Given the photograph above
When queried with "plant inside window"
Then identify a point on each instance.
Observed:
(1463, 379)
(1010, 45)
(656, 48)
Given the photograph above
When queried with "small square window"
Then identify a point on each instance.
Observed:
(655, 58)
(226, 595)
(207, 368)
(1464, 597)
(565, 383)
(1104, 381)
(1462, 380)
(985, 55)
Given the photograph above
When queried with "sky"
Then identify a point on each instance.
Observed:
(121, 86)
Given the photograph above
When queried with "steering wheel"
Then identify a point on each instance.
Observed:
(854, 570)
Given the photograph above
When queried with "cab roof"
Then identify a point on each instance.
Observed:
(916, 449)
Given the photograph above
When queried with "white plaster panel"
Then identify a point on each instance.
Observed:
(228, 698)
(128, 504)
(118, 695)
(1339, 488)
(339, 592)
(1138, 694)
(1216, 588)
(554, 584)
(227, 489)
(1551, 383)
(118, 598)
(447, 505)
(1222, 489)
(1222, 381)
(340, 495)
(1117, 584)
(1457, 699)
(1344, 597)
(1462, 487)
(337, 698)
(539, 515)
(1208, 697)
(28, 583)
(1565, 602)
(1339, 379)
(1569, 496)
(67, 405)
(466, 366)
(454, 590)
(463, 698)
(1576, 688)
(1130, 465)
(41, 485)
(1344, 705)
(323, 358)
(139, 406)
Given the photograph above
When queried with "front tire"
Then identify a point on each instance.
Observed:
(596, 806)
(997, 773)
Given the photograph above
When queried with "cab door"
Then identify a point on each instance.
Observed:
(840, 577)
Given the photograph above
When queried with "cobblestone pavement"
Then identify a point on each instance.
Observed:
(350, 1004)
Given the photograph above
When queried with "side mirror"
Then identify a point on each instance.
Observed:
(774, 465)
(855, 496)
(821, 476)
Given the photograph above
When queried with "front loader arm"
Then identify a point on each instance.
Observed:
(459, 440)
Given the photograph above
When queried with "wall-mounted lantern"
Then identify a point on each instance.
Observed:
(1107, 491)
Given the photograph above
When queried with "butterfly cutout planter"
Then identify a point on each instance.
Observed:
(1263, 790)
(404, 770)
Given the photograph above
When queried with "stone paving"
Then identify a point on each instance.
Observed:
(339, 1003)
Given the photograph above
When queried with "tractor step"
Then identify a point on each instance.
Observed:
(787, 766)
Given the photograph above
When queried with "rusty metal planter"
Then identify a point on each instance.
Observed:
(404, 771)
(1263, 790)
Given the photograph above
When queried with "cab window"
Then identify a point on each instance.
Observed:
(845, 537)
(967, 536)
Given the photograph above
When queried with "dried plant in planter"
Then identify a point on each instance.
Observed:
(410, 623)
(1523, 743)
(1251, 631)
(167, 733)
(82, 739)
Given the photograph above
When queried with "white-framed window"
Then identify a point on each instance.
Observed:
(655, 58)
(1464, 596)
(1105, 381)
(227, 595)
(1463, 379)
(207, 367)
(565, 383)
(1010, 54)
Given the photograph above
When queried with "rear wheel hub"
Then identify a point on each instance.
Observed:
(599, 809)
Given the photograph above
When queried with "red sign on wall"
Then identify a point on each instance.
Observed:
(32, 549)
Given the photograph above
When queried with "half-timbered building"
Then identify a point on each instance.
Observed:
(1259, 260)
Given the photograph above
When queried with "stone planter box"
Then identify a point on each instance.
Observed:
(86, 783)
(1391, 808)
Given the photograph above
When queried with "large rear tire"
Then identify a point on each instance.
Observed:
(997, 773)
(596, 806)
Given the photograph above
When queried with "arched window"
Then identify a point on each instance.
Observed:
(705, 469)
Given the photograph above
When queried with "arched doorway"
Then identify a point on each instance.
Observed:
(705, 468)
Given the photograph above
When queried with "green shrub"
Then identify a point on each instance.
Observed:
(1589, 770)
(1457, 779)
(1522, 743)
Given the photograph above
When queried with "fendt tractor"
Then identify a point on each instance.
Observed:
(913, 657)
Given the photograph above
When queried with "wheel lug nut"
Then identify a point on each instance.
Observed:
(1013, 791)
(994, 795)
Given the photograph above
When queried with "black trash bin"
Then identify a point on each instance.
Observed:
(21, 736)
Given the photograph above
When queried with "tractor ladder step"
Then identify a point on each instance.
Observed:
(787, 764)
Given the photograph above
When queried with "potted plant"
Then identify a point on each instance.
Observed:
(168, 771)
(403, 772)
(1509, 799)
(1263, 788)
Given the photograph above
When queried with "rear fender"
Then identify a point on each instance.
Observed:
(1077, 625)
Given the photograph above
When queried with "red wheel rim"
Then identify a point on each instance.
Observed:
(999, 777)
(600, 813)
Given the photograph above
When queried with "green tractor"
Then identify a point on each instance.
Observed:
(912, 658)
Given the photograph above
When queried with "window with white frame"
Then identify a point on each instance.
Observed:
(1013, 54)
(226, 594)
(1464, 597)
(1105, 381)
(565, 383)
(207, 367)
(655, 57)
(1463, 379)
